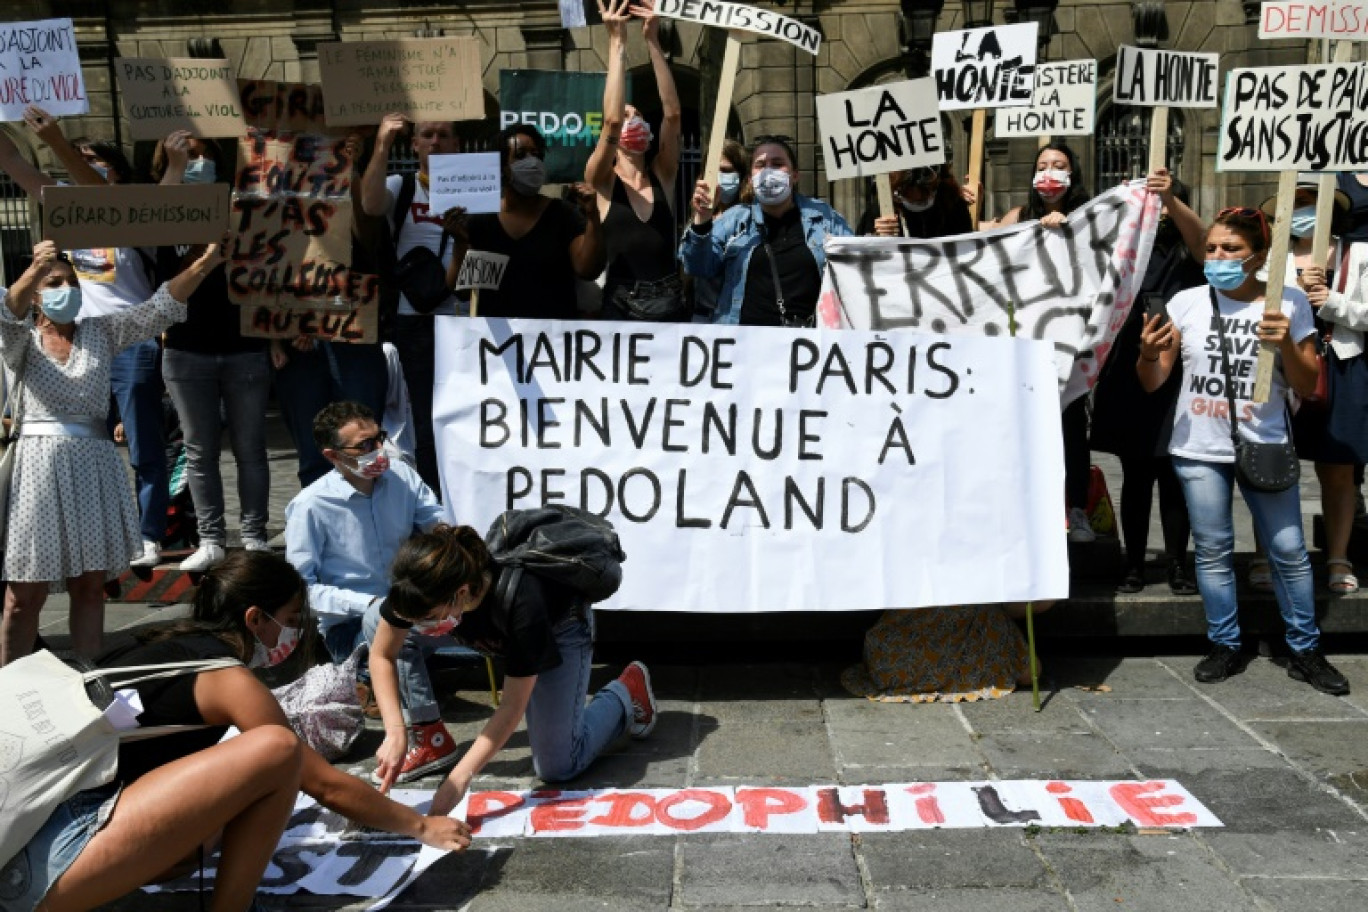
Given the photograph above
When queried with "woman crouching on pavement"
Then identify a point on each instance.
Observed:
(543, 632)
(178, 795)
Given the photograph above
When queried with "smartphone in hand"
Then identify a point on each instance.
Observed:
(1155, 305)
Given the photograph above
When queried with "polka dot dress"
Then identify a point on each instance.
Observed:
(71, 506)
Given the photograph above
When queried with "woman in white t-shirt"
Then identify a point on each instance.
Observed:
(1202, 449)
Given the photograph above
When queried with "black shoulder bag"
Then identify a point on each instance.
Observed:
(420, 274)
(794, 321)
(1267, 467)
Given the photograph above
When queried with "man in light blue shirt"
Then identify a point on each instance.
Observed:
(342, 533)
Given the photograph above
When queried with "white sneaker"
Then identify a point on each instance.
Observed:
(209, 555)
(255, 544)
(1080, 530)
(150, 557)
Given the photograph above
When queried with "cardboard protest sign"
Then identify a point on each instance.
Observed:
(179, 93)
(1296, 118)
(39, 65)
(883, 128)
(1149, 78)
(1072, 287)
(290, 268)
(128, 215)
(470, 181)
(1342, 19)
(579, 13)
(743, 18)
(566, 107)
(481, 269)
(1065, 103)
(991, 67)
(425, 79)
(718, 446)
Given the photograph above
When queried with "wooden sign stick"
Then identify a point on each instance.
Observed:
(475, 302)
(1277, 277)
(1325, 193)
(731, 62)
(884, 183)
(1158, 146)
(980, 124)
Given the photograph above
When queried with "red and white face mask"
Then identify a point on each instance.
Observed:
(437, 628)
(1051, 183)
(263, 657)
(636, 135)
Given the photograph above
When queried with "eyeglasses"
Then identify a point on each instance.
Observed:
(368, 445)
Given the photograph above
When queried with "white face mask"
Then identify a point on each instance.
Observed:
(437, 628)
(285, 645)
(527, 175)
(1051, 183)
(772, 186)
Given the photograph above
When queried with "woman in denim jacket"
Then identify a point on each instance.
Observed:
(770, 254)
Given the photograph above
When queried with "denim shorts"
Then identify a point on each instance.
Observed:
(25, 880)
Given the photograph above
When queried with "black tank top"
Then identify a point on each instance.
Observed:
(638, 251)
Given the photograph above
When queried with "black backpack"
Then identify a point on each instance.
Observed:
(575, 550)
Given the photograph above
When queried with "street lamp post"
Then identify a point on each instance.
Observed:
(918, 28)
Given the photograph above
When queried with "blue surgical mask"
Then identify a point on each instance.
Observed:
(1303, 222)
(61, 305)
(1225, 275)
(730, 184)
(200, 171)
(100, 170)
(773, 187)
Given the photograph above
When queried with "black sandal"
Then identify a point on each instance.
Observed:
(1178, 581)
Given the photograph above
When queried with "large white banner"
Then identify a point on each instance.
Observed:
(752, 469)
(1071, 286)
(1295, 118)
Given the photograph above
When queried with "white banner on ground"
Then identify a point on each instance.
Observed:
(750, 469)
(469, 180)
(1071, 286)
(889, 127)
(39, 65)
(1295, 118)
(1150, 78)
(1343, 20)
(319, 854)
(1065, 103)
(745, 18)
(990, 67)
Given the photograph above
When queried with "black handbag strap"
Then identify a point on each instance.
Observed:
(778, 288)
(1225, 366)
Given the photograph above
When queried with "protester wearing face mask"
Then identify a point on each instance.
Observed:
(213, 372)
(177, 798)
(548, 242)
(342, 533)
(634, 196)
(770, 254)
(1136, 425)
(1219, 363)
(73, 523)
(733, 189)
(929, 204)
(1333, 432)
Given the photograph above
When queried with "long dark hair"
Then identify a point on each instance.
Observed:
(432, 566)
(1075, 196)
(245, 579)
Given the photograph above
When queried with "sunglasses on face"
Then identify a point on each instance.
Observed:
(367, 445)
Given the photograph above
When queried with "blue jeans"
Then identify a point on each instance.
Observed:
(27, 877)
(1208, 488)
(237, 384)
(414, 337)
(416, 695)
(330, 372)
(566, 733)
(135, 377)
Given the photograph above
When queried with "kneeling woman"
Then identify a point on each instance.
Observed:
(177, 793)
(1227, 318)
(545, 638)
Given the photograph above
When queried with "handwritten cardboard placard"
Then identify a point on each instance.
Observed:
(991, 67)
(1342, 20)
(425, 79)
(1065, 103)
(128, 215)
(179, 93)
(39, 65)
(883, 128)
(1297, 118)
(471, 181)
(743, 18)
(356, 322)
(481, 269)
(1151, 78)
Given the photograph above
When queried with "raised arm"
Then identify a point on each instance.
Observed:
(1188, 223)
(25, 288)
(46, 128)
(22, 171)
(598, 172)
(587, 252)
(188, 280)
(375, 199)
(176, 148)
(671, 127)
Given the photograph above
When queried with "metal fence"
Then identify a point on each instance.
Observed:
(1122, 144)
(16, 228)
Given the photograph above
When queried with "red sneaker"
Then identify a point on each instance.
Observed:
(431, 748)
(637, 680)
